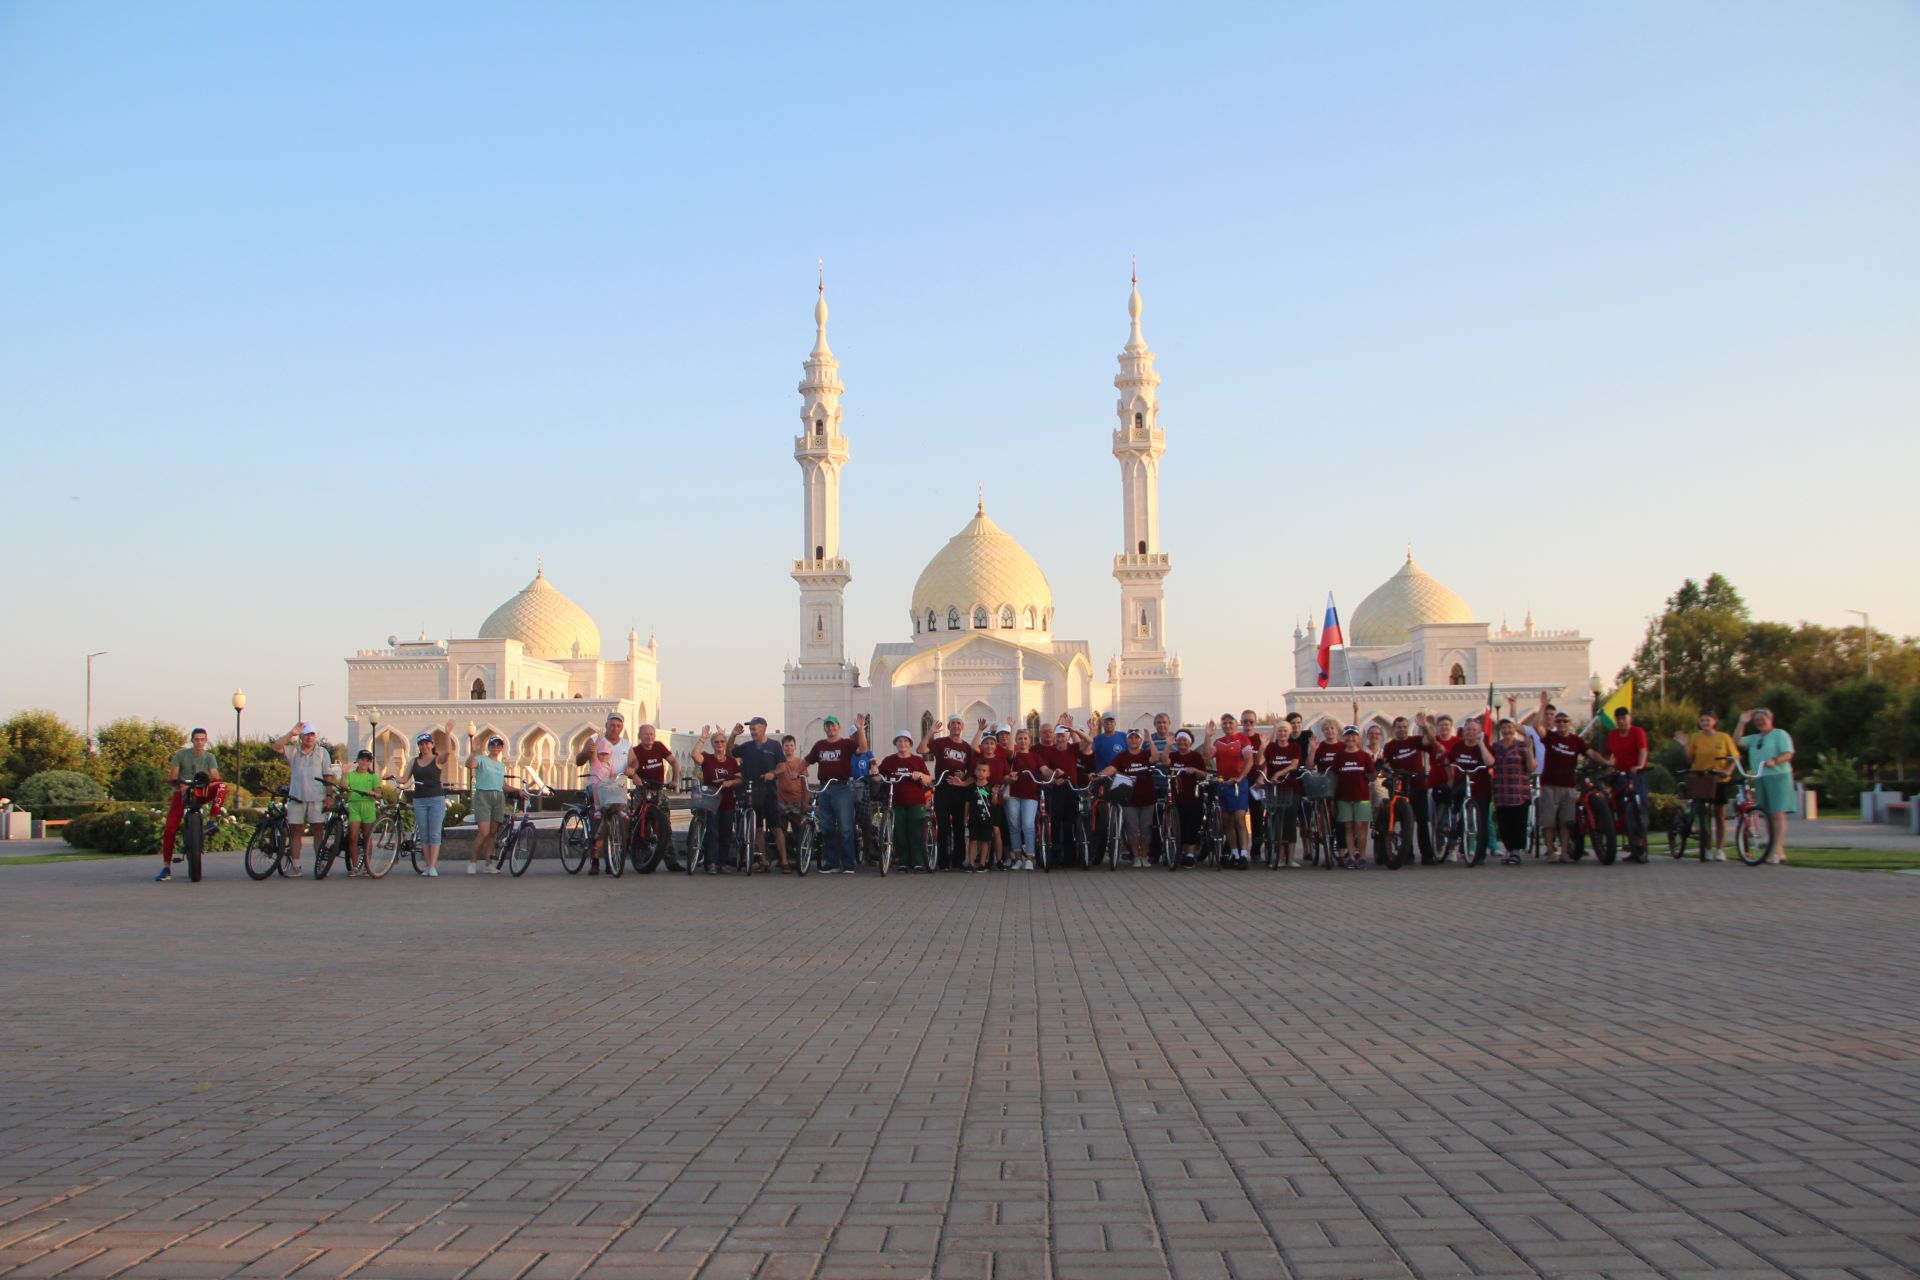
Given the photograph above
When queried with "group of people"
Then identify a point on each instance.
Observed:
(983, 793)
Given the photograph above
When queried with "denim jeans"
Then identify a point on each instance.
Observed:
(1020, 819)
(428, 816)
(835, 810)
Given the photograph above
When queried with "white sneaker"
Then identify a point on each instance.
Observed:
(434, 872)
(473, 868)
(493, 868)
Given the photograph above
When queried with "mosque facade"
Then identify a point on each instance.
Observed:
(979, 636)
(534, 675)
(1413, 645)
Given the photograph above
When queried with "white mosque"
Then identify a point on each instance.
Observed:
(534, 675)
(1414, 645)
(980, 618)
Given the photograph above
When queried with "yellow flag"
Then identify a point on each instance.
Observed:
(1621, 700)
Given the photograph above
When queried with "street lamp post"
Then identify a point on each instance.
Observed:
(1866, 636)
(239, 705)
(300, 703)
(472, 731)
(90, 657)
(373, 740)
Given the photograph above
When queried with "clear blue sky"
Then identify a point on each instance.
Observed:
(318, 322)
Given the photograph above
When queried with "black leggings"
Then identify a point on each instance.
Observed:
(950, 808)
(1512, 821)
(1190, 825)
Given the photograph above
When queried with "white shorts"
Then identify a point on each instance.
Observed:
(304, 811)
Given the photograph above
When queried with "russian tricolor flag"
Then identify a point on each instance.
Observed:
(1329, 637)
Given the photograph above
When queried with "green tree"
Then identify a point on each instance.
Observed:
(120, 743)
(140, 781)
(1895, 732)
(1792, 709)
(36, 741)
(1848, 716)
(57, 786)
(1697, 643)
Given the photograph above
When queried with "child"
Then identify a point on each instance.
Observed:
(980, 813)
(364, 783)
(790, 790)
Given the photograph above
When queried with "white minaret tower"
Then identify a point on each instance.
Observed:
(821, 451)
(1147, 674)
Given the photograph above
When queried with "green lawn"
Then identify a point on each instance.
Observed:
(1853, 859)
(78, 855)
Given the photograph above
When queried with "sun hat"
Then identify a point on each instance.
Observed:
(903, 734)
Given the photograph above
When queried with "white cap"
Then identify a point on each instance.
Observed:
(306, 726)
(903, 734)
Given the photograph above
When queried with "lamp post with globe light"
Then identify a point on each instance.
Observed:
(239, 705)
(473, 731)
(373, 740)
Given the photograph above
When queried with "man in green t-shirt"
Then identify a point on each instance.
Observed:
(186, 764)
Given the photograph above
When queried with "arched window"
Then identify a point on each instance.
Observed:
(819, 553)
(916, 624)
(1458, 675)
(1139, 421)
(980, 617)
(1006, 617)
(933, 623)
(953, 617)
(820, 426)
(479, 691)
(1032, 618)
(510, 693)
(1146, 628)
(1143, 546)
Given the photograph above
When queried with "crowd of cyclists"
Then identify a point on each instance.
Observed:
(1001, 798)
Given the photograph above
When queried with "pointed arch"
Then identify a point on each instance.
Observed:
(1006, 617)
(953, 617)
(981, 619)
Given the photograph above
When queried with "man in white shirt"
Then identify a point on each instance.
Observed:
(309, 766)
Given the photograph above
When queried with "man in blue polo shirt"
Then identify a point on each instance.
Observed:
(1108, 744)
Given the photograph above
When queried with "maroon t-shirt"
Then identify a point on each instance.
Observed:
(1438, 757)
(1019, 764)
(955, 756)
(909, 791)
(650, 762)
(1480, 782)
(834, 756)
(1564, 752)
(1137, 765)
(1064, 760)
(1351, 772)
(1186, 785)
(1324, 754)
(998, 766)
(1277, 754)
(1409, 755)
(716, 769)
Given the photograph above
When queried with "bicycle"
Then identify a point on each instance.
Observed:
(649, 828)
(1039, 849)
(1048, 842)
(1696, 814)
(747, 833)
(706, 803)
(877, 783)
(514, 847)
(806, 843)
(267, 846)
(1467, 815)
(1316, 819)
(1632, 815)
(193, 824)
(1594, 818)
(589, 824)
(393, 833)
(1749, 821)
(1103, 825)
(333, 834)
(1393, 825)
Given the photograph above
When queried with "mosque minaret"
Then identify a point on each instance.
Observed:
(980, 616)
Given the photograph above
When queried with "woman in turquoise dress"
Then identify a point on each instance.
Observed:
(1770, 761)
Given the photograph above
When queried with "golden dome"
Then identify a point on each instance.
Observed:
(1409, 599)
(547, 623)
(982, 567)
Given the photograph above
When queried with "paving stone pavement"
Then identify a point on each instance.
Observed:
(1673, 1070)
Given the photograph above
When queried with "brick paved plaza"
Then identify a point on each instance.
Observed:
(1667, 1070)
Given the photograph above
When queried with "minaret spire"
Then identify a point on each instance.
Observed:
(1148, 676)
(820, 572)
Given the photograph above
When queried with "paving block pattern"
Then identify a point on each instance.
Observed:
(1579, 1072)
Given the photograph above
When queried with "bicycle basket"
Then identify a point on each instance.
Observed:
(1702, 786)
(1317, 786)
(707, 801)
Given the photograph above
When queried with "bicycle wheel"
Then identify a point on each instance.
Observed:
(1606, 840)
(744, 842)
(415, 854)
(1750, 837)
(383, 846)
(886, 842)
(193, 833)
(328, 847)
(647, 842)
(575, 845)
(1040, 843)
(265, 847)
(1677, 836)
(519, 854)
(613, 833)
(1402, 835)
(1470, 855)
(696, 840)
